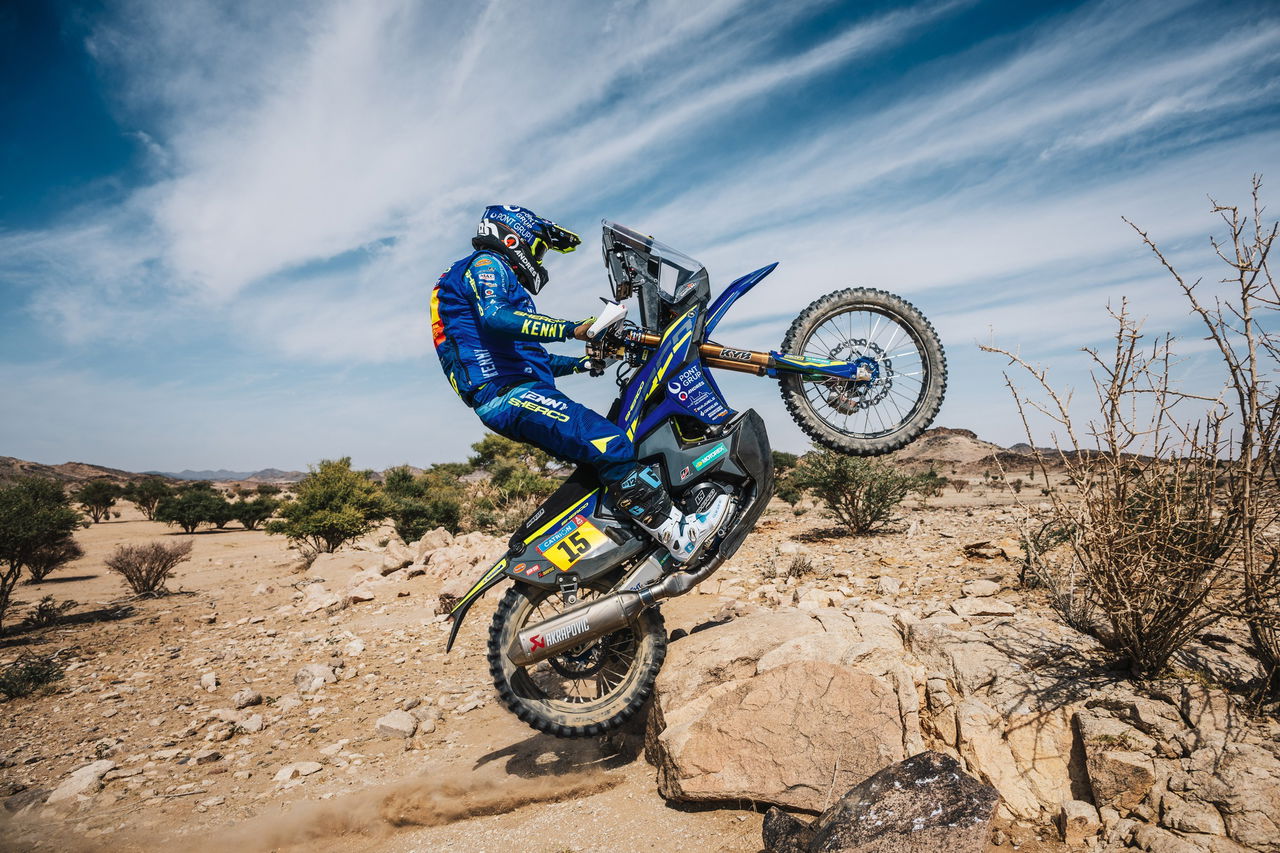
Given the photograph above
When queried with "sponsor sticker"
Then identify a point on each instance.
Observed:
(572, 542)
(710, 456)
(735, 354)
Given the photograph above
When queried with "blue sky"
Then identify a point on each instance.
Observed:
(219, 221)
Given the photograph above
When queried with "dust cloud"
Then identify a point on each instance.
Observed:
(411, 803)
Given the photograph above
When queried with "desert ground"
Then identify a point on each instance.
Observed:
(152, 686)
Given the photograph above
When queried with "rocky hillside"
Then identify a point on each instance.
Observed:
(67, 472)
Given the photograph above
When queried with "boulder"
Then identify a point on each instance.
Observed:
(396, 556)
(1243, 783)
(925, 803)
(246, 697)
(781, 737)
(431, 541)
(86, 780)
(980, 589)
(1119, 778)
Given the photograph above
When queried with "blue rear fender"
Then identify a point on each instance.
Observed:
(730, 295)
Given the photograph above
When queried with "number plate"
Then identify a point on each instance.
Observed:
(574, 541)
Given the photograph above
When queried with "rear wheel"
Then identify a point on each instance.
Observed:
(586, 691)
(901, 360)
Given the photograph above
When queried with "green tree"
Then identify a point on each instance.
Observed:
(517, 470)
(146, 494)
(268, 490)
(254, 512)
(190, 508)
(221, 513)
(860, 493)
(335, 505)
(783, 462)
(96, 497)
(36, 517)
(433, 499)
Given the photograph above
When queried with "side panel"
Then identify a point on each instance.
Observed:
(730, 295)
(671, 354)
(584, 542)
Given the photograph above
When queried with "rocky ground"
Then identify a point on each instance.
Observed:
(263, 706)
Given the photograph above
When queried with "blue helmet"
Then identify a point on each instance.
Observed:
(522, 237)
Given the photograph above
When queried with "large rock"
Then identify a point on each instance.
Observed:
(431, 541)
(1120, 778)
(396, 556)
(774, 706)
(925, 803)
(1243, 783)
(461, 561)
(782, 736)
(86, 780)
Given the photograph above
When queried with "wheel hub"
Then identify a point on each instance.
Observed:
(873, 377)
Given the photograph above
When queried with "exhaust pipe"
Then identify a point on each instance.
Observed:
(594, 619)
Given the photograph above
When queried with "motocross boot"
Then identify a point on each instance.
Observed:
(642, 496)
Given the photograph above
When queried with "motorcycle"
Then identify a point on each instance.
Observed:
(577, 641)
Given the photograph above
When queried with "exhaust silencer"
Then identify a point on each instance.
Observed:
(594, 619)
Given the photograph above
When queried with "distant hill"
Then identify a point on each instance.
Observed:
(960, 450)
(67, 472)
(266, 475)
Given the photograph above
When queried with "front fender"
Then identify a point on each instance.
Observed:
(492, 576)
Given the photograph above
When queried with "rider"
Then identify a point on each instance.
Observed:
(489, 336)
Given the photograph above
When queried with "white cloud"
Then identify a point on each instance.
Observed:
(319, 163)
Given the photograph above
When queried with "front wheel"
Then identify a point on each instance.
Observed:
(902, 372)
(587, 690)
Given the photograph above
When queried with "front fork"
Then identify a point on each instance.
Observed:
(763, 363)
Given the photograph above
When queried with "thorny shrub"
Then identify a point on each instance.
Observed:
(146, 567)
(1175, 520)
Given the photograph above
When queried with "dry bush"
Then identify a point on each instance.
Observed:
(146, 567)
(801, 566)
(959, 485)
(28, 674)
(1177, 492)
(1243, 325)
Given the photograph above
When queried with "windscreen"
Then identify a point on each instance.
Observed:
(634, 259)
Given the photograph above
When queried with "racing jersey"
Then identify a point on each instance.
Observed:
(486, 328)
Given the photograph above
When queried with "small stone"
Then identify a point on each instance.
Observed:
(970, 607)
(313, 676)
(246, 697)
(353, 648)
(400, 724)
(209, 682)
(980, 589)
(1078, 821)
(887, 585)
(252, 725)
(207, 756)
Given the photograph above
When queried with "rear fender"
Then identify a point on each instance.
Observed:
(730, 295)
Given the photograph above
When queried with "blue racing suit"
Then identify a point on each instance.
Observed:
(489, 337)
